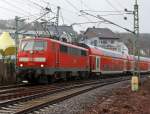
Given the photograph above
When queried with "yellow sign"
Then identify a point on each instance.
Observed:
(134, 83)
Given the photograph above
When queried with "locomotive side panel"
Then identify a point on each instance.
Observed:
(73, 58)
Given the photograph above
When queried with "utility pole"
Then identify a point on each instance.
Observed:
(136, 18)
(16, 27)
(16, 38)
(136, 34)
(135, 81)
(17, 20)
(57, 16)
(136, 77)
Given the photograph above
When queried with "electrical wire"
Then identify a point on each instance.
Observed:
(62, 17)
(30, 16)
(72, 5)
(86, 23)
(114, 14)
(5, 1)
(103, 11)
(29, 4)
(11, 10)
(36, 4)
(108, 21)
(119, 4)
(83, 3)
(110, 4)
(35, 20)
(76, 9)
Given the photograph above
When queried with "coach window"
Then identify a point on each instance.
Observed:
(63, 48)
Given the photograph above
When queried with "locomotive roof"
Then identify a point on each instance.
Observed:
(57, 41)
(68, 44)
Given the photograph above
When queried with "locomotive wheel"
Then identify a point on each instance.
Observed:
(51, 79)
(68, 76)
(83, 75)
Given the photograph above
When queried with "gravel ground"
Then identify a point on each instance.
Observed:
(124, 101)
(79, 104)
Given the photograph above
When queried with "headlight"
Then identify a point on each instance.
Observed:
(23, 59)
(21, 65)
(42, 65)
(39, 59)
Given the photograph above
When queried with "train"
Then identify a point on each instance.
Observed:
(46, 60)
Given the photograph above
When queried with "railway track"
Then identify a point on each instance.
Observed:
(31, 103)
(27, 90)
(24, 91)
(11, 86)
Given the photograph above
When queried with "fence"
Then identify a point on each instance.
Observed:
(7, 73)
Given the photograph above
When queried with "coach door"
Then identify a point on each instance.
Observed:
(97, 67)
(125, 66)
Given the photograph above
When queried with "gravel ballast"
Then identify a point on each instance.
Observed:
(79, 104)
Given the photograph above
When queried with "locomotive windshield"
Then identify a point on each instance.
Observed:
(33, 45)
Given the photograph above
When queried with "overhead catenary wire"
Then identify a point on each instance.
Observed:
(36, 4)
(106, 20)
(110, 4)
(82, 23)
(29, 16)
(70, 11)
(76, 9)
(83, 4)
(119, 4)
(34, 20)
(72, 5)
(64, 9)
(40, 6)
(104, 11)
(11, 10)
(115, 14)
(29, 4)
(14, 6)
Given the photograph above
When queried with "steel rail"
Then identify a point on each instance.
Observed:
(57, 95)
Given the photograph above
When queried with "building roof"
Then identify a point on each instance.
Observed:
(53, 30)
(100, 33)
(59, 30)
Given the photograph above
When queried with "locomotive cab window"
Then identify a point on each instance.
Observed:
(39, 45)
(33, 45)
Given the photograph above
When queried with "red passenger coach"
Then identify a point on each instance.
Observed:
(103, 61)
(143, 64)
(130, 64)
(41, 59)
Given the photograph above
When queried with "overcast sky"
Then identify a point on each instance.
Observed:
(70, 12)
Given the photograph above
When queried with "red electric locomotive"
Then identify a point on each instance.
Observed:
(45, 59)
